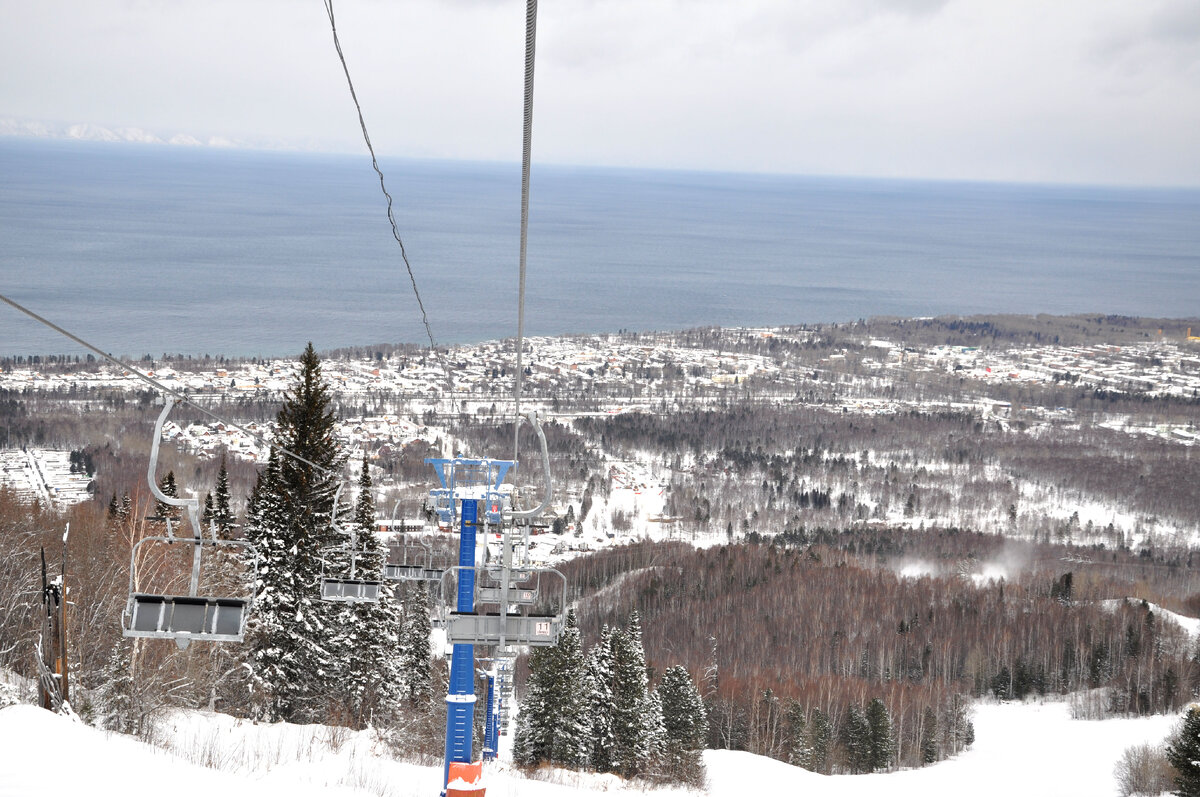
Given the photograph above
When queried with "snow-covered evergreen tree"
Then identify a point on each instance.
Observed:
(416, 653)
(113, 698)
(879, 724)
(656, 731)
(1183, 753)
(367, 636)
(820, 738)
(534, 736)
(799, 753)
(929, 736)
(633, 722)
(222, 511)
(856, 740)
(168, 487)
(684, 719)
(599, 693)
(291, 523)
(553, 724)
(572, 739)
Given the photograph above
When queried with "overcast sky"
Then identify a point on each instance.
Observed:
(1098, 91)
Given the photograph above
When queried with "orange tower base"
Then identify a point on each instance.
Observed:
(466, 780)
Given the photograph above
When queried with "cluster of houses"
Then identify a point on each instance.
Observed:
(43, 475)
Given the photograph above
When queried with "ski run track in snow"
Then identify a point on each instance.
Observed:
(1021, 750)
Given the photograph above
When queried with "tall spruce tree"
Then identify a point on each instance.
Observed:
(684, 718)
(820, 739)
(553, 724)
(633, 715)
(222, 514)
(929, 736)
(572, 739)
(367, 639)
(1183, 753)
(879, 723)
(416, 652)
(685, 725)
(599, 690)
(855, 738)
(796, 727)
(168, 487)
(291, 524)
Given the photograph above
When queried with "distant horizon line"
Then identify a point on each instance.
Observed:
(93, 134)
(446, 347)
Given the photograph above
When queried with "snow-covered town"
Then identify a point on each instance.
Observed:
(391, 400)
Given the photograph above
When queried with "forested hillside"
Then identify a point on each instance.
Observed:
(842, 535)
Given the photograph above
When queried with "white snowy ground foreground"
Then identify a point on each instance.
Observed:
(1021, 749)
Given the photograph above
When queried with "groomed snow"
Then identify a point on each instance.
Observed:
(1021, 750)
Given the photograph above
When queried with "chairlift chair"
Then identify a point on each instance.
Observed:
(524, 587)
(351, 587)
(416, 560)
(190, 616)
(501, 622)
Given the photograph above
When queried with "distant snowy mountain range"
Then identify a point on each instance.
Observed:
(86, 131)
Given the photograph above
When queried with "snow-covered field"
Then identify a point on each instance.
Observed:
(1020, 749)
(44, 475)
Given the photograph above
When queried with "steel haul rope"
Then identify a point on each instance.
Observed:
(526, 150)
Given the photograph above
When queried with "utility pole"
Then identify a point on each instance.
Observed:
(53, 675)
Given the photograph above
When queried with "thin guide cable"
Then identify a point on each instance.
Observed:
(375, 165)
(160, 386)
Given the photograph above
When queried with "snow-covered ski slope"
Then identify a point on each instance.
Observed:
(1021, 750)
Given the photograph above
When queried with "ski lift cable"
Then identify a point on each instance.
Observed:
(183, 397)
(526, 157)
(375, 165)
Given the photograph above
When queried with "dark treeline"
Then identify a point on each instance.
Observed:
(1025, 330)
(771, 468)
(799, 631)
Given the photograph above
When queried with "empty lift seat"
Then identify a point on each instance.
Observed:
(465, 780)
(517, 596)
(404, 572)
(485, 629)
(200, 618)
(347, 590)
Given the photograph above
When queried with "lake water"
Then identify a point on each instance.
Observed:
(143, 249)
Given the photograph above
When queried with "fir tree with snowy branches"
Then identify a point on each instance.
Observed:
(795, 724)
(222, 513)
(820, 741)
(633, 719)
(367, 636)
(856, 740)
(685, 721)
(1183, 753)
(416, 652)
(929, 736)
(169, 487)
(553, 725)
(599, 693)
(879, 724)
(291, 523)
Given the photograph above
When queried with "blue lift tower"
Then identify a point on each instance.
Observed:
(500, 599)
